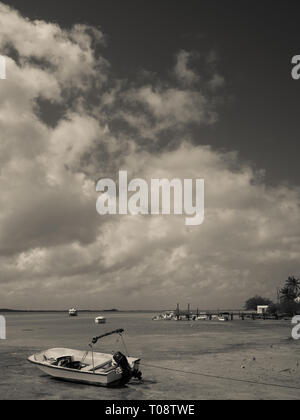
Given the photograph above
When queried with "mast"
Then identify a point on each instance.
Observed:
(177, 311)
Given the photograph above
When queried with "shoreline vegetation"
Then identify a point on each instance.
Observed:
(288, 300)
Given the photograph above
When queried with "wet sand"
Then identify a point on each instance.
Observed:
(260, 352)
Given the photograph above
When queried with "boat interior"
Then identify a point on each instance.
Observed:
(76, 360)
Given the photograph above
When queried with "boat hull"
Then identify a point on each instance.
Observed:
(112, 377)
(100, 321)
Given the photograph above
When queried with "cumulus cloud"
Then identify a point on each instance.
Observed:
(54, 247)
(66, 55)
(160, 109)
(174, 106)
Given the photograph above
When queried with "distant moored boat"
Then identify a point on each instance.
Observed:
(223, 318)
(73, 312)
(100, 320)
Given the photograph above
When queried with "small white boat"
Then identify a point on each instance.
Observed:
(223, 318)
(100, 320)
(167, 316)
(91, 368)
(202, 318)
(73, 312)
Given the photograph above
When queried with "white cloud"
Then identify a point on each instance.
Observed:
(67, 55)
(51, 237)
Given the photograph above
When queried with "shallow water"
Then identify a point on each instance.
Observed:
(214, 348)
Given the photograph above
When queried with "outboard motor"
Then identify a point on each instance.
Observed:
(122, 362)
(127, 372)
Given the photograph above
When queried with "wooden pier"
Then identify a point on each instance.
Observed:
(209, 315)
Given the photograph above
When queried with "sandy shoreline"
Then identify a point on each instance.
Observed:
(257, 353)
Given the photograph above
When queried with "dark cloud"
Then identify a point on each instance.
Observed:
(51, 237)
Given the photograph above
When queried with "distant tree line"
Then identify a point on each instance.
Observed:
(252, 303)
(289, 299)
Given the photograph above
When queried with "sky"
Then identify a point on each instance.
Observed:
(198, 89)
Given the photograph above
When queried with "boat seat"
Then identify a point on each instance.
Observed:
(90, 368)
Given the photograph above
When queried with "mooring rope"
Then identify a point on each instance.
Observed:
(222, 377)
(124, 344)
(116, 345)
(85, 356)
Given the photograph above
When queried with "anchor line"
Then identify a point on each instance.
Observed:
(124, 344)
(116, 344)
(222, 377)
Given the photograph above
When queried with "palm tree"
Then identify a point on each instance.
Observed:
(294, 285)
(286, 295)
(291, 289)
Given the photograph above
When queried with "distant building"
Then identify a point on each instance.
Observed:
(262, 309)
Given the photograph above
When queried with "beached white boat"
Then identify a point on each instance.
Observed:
(73, 312)
(100, 320)
(88, 367)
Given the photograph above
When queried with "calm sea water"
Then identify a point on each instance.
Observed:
(179, 345)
